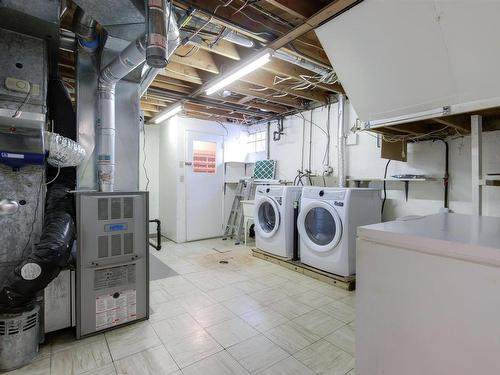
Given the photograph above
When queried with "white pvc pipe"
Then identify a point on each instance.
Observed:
(341, 148)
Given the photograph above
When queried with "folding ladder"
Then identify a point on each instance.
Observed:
(234, 224)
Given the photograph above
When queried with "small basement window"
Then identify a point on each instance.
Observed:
(257, 142)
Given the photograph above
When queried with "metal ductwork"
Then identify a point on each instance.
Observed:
(128, 60)
(156, 49)
(173, 41)
(299, 61)
(241, 40)
(341, 147)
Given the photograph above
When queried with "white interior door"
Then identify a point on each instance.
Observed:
(204, 185)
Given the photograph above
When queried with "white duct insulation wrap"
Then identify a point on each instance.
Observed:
(341, 148)
(63, 152)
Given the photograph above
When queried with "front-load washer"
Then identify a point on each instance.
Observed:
(327, 224)
(274, 219)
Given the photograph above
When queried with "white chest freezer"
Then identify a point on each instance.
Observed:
(428, 296)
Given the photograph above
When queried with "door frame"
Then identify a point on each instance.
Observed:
(186, 165)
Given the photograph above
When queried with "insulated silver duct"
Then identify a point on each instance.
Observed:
(341, 147)
(302, 63)
(63, 152)
(234, 37)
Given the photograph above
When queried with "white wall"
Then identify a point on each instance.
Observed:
(166, 157)
(364, 161)
(150, 150)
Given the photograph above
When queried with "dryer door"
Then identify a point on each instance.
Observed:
(267, 216)
(319, 226)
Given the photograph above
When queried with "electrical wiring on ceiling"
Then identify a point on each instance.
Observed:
(209, 20)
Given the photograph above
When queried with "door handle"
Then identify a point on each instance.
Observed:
(186, 163)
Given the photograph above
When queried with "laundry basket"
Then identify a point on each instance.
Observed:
(19, 337)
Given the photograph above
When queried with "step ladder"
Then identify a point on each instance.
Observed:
(234, 224)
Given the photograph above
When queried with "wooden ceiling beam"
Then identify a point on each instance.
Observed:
(297, 8)
(182, 72)
(202, 60)
(222, 48)
(244, 88)
(334, 8)
(214, 111)
(168, 86)
(456, 122)
(268, 80)
(255, 22)
(251, 102)
(280, 67)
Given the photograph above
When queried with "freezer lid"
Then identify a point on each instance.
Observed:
(467, 237)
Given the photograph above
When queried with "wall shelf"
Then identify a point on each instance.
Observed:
(360, 181)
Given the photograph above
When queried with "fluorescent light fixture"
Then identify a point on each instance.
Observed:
(167, 113)
(239, 73)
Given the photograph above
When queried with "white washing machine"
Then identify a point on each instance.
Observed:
(327, 225)
(273, 218)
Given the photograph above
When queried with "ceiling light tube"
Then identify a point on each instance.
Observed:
(239, 72)
(167, 113)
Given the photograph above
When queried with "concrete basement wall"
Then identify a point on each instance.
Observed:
(363, 161)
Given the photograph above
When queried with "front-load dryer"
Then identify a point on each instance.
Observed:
(327, 224)
(274, 220)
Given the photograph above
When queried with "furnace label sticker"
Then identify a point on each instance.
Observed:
(114, 309)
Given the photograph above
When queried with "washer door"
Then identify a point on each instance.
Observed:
(267, 217)
(319, 226)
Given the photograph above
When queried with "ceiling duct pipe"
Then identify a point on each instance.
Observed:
(156, 48)
(129, 59)
(173, 41)
(341, 148)
(299, 61)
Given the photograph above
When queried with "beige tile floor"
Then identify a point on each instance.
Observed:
(245, 317)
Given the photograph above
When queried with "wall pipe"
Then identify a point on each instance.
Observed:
(341, 148)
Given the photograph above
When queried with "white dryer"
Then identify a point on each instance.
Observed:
(327, 225)
(274, 220)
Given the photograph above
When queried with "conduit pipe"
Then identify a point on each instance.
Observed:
(341, 148)
(129, 59)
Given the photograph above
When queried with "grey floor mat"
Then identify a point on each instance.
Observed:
(159, 270)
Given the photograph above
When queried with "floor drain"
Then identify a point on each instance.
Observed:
(223, 262)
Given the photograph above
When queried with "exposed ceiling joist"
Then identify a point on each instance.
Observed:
(222, 48)
(297, 8)
(201, 59)
(284, 68)
(268, 80)
(182, 72)
(244, 88)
